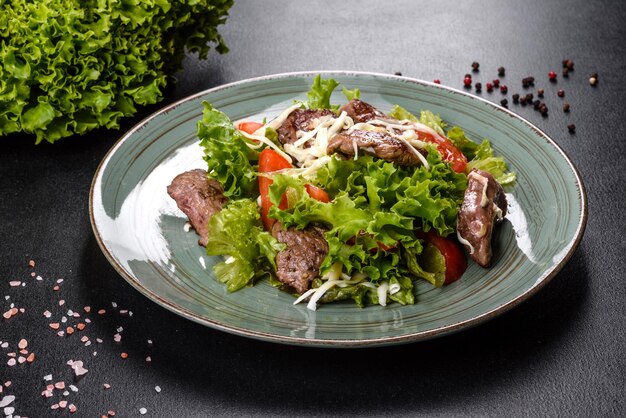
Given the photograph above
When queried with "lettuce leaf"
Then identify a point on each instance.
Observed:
(236, 231)
(69, 67)
(229, 159)
(320, 92)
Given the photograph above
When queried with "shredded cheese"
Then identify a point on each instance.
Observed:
(382, 293)
(269, 143)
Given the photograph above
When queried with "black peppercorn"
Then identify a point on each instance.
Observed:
(475, 66)
(515, 98)
(504, 102)
(540, 93)
(566, 107)
(501, 71)
(478, 87)
(571, 128)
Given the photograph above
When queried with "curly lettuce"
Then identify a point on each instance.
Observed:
(69, 66)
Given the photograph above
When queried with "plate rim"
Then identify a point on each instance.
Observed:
(540, 282)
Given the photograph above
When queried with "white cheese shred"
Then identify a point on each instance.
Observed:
(382, 293)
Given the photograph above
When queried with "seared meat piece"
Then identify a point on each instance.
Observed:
(378, 144)
(199, 197)
(484, 205)
(362, 112)
(299, 120)
(299, 263)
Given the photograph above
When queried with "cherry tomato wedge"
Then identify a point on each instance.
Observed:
(448, 151)
(317, 193)
(270, 161)
(249, 127)
(456, 263)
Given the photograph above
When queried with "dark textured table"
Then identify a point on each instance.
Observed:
(561, 353)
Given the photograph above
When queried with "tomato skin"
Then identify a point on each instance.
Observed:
(456, 263)
(269, 162)
(249, 127)
(317, 193)
(446, 148)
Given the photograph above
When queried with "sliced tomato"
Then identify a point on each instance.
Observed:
(269, 162)
(317, 193)
(249, 127)
(446, 148)
(452, 252)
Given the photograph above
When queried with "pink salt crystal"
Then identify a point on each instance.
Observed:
(106, 386)
(148, 359)
(61, 302)
(50, 387)
(84, 338)
(31, 263)
(11, 362)
(47, 314)
(87, 308)
(54, 406)
(7, 383)
(72, 408)
(21, 359)
(22, 344)
(59, 385)
(63, 403)
(102, 312)
(117, 338)
(14, 283)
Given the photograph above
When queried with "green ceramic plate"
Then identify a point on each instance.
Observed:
(142, 233)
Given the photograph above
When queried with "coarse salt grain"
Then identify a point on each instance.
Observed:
(47, 314)
(87, 320)
(148, 359)
(6, 401)
(31, 263)
(124, 355)
(73, 388)
(21, 359)
(64, 319)
(23, 351)
(72, 408)
(30, 358)
(99, 340)
(80, 326)
(65, 393)
(87, 309)
(84, 338)
(14, 283)
(61, 333)
(4, 344)
(114, 304)
(7, 383)
(33, 274)
(157, 389)
(56, 288)
(54, 406)
(143, 411)
(117, 338)
(11, 354)
(59, 281)
(106, 386)
(11, 362)
(102, 312)
(22, 344)
(54, 325)
(120, 329)
(8, 411)
(61, 302)
(47, 377)
(62, 404)
(59, 385)
(39, 278)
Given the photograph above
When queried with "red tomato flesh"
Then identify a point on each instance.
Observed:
(456, 263)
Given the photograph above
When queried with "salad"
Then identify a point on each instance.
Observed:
(343, 202)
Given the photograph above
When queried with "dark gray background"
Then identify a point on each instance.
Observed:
(560, 353)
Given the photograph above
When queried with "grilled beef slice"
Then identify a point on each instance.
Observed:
(299, 263)
(484, 205)
(378, 144)
(199, 197)
(299, 120)
(360, 111)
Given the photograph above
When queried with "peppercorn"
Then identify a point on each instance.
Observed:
(593, 79)
(501, 71)
(478, 87)
(475, 66)
(536, 104)
(528, 81)
(496, 82)
(522, 100)
(560, 93)
(504, 102)
(529, 97)
(540, 93)
(565, 72)
(543, 109)
(437, 81)
(503, 89)
(566, 107)
(552, 76)
(467, 82)
(571, 128)
(515, 98)
(489, 87)
(397, 73)
(569, 64)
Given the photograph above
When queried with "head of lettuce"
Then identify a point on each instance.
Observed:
(71, 66)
